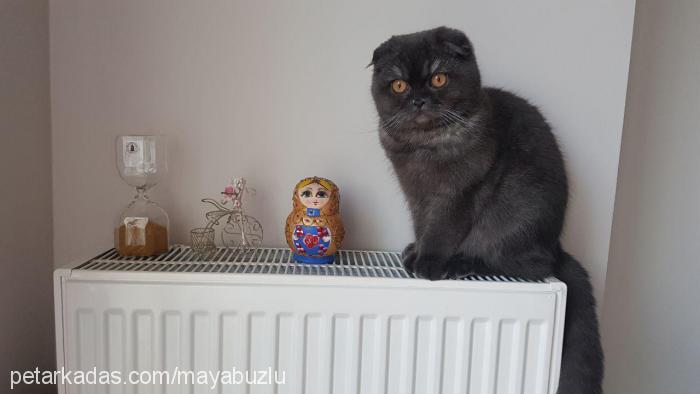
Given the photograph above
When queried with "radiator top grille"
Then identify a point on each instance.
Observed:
(354, 263)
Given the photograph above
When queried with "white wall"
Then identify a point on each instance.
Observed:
(26, 322)
(278, 90)
(651, 315)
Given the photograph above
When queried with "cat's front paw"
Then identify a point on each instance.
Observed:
(430, 267)
(408, 257)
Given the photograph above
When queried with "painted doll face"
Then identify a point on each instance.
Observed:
(314, 195)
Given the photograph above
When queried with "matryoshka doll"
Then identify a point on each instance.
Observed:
(314, 230)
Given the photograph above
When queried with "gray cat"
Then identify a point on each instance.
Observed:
(484, 179)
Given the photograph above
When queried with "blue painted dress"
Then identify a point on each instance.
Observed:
(312, 242)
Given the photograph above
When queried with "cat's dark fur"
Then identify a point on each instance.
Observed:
(485, 182)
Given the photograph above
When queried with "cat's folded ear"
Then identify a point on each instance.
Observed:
(380, 52)
(455, 41)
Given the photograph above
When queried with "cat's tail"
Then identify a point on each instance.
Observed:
(582, 357)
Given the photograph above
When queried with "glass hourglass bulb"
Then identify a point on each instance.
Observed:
(142, 228)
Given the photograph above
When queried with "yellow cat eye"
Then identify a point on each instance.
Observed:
(399, 86)
(438, 80)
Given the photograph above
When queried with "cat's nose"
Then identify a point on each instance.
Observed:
(418, 102)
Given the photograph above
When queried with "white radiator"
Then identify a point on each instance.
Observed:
(361, 325)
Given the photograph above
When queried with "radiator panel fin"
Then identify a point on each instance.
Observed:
(86, 345)
(172, 346)
(399, 356)
(370, 354)
(481, 357)
(345, 360)
(454, 363)
(115, 344)
(510, 346)
(233, 350)
(316, 355)
(289, 355)
(202, 350)
(426, 355)
(536, 357)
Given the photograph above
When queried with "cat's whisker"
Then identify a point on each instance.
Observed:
(393, 123)
(446, 121)
(392, 118)
(455, 118)
(466, 124)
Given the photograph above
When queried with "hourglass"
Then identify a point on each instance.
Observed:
(142, 227)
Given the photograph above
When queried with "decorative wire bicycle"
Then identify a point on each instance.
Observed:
(238, 230)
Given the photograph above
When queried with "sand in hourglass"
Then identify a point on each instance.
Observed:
(137, 241)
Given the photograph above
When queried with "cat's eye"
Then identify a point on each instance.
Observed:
(399, 86)
(321, 194)
(306, 193)
(438, 80)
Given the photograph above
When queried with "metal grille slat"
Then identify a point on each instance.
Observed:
(267, 261)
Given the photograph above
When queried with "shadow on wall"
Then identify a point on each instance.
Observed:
(26, 327)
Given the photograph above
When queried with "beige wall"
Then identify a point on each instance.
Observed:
(651, 315)
(278, 90)
(26, 325)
